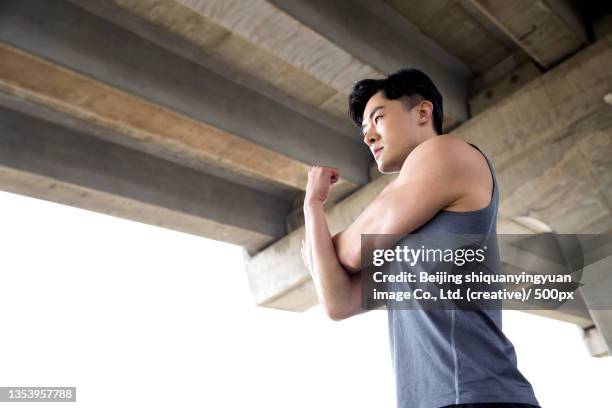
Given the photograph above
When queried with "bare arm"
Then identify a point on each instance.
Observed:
(339, 292)
(348, 241)
(423, 187)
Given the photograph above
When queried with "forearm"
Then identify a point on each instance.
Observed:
(348, 243)
(331, 280)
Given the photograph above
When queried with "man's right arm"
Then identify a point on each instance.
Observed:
(339, 292)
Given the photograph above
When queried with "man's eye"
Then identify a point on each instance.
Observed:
(376, 118)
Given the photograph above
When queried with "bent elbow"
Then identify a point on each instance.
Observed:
(336, 314)
(351, 262)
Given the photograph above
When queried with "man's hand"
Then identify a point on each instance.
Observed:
(320, 179)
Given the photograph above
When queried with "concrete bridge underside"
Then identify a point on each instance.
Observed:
(204, 116)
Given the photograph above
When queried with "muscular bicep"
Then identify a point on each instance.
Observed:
(431, 178)
(426, 184)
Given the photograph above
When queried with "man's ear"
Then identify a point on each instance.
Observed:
(424, 111)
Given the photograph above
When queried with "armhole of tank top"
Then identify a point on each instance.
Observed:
(493, 183)
(491, 198)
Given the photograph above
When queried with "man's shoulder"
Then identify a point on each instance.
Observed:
(446, 154)
(447, 145)
(447, 167)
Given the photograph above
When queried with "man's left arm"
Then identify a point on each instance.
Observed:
(425, 185)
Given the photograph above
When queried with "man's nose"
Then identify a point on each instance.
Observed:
(371, 137)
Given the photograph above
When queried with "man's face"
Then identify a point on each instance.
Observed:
(387, 124)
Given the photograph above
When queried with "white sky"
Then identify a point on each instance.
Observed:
(136, 315)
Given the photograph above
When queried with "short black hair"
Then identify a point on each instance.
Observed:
(403, 83)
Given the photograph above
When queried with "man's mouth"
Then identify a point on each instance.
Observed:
(377, 152)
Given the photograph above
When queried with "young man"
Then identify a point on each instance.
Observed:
(441, 358)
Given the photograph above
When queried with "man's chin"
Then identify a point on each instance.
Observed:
(382, 168)
(386, 168)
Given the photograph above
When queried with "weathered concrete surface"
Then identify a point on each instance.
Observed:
(572, 193)
(43, 160)
(66, 120)
(470, 41)
(598, 286)
(548, 30)
(594, 342)
(363, 29)
(503, 88)
(182, 29)
(550, 144)
(148, 82)
(524, 135)
(33, 79)
(499, 72)
(279, 47)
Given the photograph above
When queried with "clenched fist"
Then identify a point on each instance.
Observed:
(320, 179)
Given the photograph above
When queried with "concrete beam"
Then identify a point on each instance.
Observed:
(207, 38)
(594, 342)
(549, 142)
(548, 30)
(363, 29)
(503, 88)
(523, 136)
(46, 90)
(116, 136)
(65, 43)
(576, 314)
(472, 42)
(316, 70)
(596, 294)
(497, 73)
(43, 160)
(597, 279)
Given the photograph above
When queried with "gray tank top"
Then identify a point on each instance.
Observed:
(445, 357)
